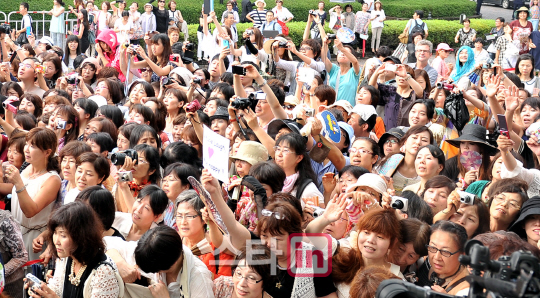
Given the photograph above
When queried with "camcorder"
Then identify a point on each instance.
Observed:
(11, 104)
(119, 158)
(515, 276)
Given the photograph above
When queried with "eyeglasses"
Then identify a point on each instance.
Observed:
(289, 107)
(188, 217)
(302, 49)
(513, 203)
(249, 279)
(361, 151)
(391, 141)
(142, 161)
(170, 180)
(144, 70)
(283, 150)
(269, 213)
(422, 51)
(444, 252)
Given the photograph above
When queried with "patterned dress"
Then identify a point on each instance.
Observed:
(362, 18)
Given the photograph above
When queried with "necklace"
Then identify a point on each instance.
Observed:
(278, 284)
(34, 176)
(76, 279)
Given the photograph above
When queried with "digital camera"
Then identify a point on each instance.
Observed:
(61, 125)
(119, 158)
(125, 176)
(193, 106)
(400, 203)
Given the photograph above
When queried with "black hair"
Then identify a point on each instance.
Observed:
(158, 249)
(89, 106)
(418, 208)
(375, 94)
(225, 89)
(501, 19)
(25, 120)
(113, 113)
(182, 171)
(270, 174)
(458, 232)
(279, 93)
(227, 77)
(204, 118)
(533, 102)
(25, 5)
(102, 202)
(146, 112)
(420, 13)
(338, 114)
(383, 51)
(356, 171)
(151, 155)
(156, 196)
(225, 61)
(297, 144)
(514, 78)
(180, 152)
(371, 121)
(374, 146)
(429, 104)
(125, 13)
(138, 132)
(69, 39)
(524, 57)
(104, 140)
(435, 152)
(148, 89)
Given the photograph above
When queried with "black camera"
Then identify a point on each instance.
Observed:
(282, 44)
(167, 81)
(197, 81)
(331, 36)
(244, 103)
(119, 158)
(72, 80)
(5, 28)
(190, 47)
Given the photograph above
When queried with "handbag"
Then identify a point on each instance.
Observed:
(112, 21)
(319, 152)
(284, 28)
(456, 111)
(404, 37)
(364, 36)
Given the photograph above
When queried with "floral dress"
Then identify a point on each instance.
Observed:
(246, 211)
(362, 18)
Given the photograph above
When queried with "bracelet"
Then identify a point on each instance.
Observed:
(20, 190)
(444, 211)
(408, 77)
(232, 120)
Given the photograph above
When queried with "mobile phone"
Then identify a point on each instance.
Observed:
(239, 70)
(28, 31)
(32, 281)
(391, 67)
(225, 43)
(503, 126)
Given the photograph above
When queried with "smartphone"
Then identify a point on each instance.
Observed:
(239, 70)
(28, 31)
(391, 67)
(306, 75)
(503, 126)
(225, 43)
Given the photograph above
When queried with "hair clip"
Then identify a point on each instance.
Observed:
(276, 215)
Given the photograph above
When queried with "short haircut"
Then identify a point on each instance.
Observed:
(290, 222)
(103, 140)
(89, 106)
(182, 153)
(157, 197)
(416, 232)
(17, 139)
(182, 171)
(258, 262)
(173, 29)
(511, 185)
(112, 113)
(457, 231)
(418, 208)
(158, 249)
(440, 181)
(269, 173)
(420, 13)
(325, 93)
(25, 5)
(102, 202)
(100, 163)
(138, 132)
(25, 120)
(425, 42)
(83, 227)
(74, 148)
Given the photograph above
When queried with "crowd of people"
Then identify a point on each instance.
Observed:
(100, 138)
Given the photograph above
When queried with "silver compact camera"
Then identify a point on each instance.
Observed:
(310, 112)
(61, 125)
(465, 197)
(318, 211)
(125, 176)
(400, 203)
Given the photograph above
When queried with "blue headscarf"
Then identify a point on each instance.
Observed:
(466, 68)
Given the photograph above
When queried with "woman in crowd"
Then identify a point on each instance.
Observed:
(409, 55)
(57, 22)
(83, 29)
(14, 156)
(364, 152)
(442, 52)
(429, 163)
(101, 124)
(525, 71)
(72, 50)
(503, 46)
(36, 188)
(466, 35)
(377, 24)
(102, 202)
(124, 28)
(174, 101)
(175, 182)
(348, 70)
(363, 18)
(480, 54)
(157, 58)
(92, 169)
(32, 104)
(113, 113)
(86, 110)
(437, 191)
(145, 134)
(506, 198)
(139, 90)
(68, 164)
(442, 270)
(89, 70)
(250, 274)
(53, 70)
(465, 64)
(528, 223)
(81, 264)
(144, 214)
(65, 124)
(412, 246)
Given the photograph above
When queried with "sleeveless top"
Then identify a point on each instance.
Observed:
(57, 24)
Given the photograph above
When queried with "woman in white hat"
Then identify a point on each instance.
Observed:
(258, 16)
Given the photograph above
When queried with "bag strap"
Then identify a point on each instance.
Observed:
(459, 281)
(302, 187)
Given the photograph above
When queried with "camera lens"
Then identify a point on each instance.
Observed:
(118, 158)
(398, 204)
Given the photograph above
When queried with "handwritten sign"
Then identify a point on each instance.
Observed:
(216, 154)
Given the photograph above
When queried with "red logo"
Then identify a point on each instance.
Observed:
(306, 260)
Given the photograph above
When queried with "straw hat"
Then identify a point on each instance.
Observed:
(267, 46)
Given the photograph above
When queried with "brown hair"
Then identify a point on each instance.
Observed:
(366, 282)
(57, 64)
(511, 185)
(107, 72)
(347, 262)
(106, 126)
(36, 101)
(17, 139)
(315, 46)
(56, 100)
(45, 139)
(74, 148)
(486, 162)
(290, 222)
(439, 181)
(180, 119)
(72, 118)
(325, 93)
(173, 29)
(422, 73)
(100, 163)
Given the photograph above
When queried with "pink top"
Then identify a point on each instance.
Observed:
(440, 66)
(535, 12)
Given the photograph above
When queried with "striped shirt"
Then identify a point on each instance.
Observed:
(258, 16)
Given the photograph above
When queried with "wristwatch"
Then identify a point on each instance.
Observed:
(264, 83)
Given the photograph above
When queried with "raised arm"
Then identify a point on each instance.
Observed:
(277, 109)
(31, 206)
(324, 55)
(512, 103)
(262, 135)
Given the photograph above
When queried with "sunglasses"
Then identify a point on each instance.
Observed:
(144, 70)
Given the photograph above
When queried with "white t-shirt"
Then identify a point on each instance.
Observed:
(102, 19)
(123, 34)
(377, 22)
(284, 15)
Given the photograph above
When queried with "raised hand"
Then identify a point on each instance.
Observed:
(511, 99)
(335, 208)
(493, 85)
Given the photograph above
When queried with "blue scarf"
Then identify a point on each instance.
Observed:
(461, 70)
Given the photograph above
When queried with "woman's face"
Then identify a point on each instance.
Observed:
(171, 102)
(478, 46)
(68, 166)
(286, 158)
(177, 132)
(15, 157)
(443, 54)
(27, 70)
(391, 146)
(86, 176)
(420, 80)
(146, 74)
(148, 138)
(467, 217)
(307, 50)
(363, 157)
(189, 223)
(363, 97)
(443, 266)
(373, 246)
(427, 166)
(27, 105)
(12, 92)
(417, 38)
(122, 143)
(137, 117)
(463, 56)
(469, 146)
(496, 171)
(236, 145)
(364, 7)
(157, 48)
(88, 72)
(92, 127)
(76, 93)
(405, 255)
(242, 167)
(173, 186)
(33, 154)
(104, 6)
(245, 281)
(341, 58)
(532, 228)
(276, 244)
(81, 113)
(142, 214)
(415, 141)
(142, 170)
(466, 24)
(72, 45)
(346, 180)
(505, 207)
(523, 15)
(103, 90)
(94, 146)
(525, 67)
(63, 243)
(50, 69)
(436, 198)
(133, 7)
(528, 114)
(418, 115)
(337, 228)
(137, 93)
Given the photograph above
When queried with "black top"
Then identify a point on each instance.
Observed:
(411, 58)
(162, 19)
(73, 291)
(247, 7)
(451, 169)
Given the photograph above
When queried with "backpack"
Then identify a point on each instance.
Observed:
(417, 28)
(301, 187)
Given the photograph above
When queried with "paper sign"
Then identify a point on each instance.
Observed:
(216, 154)
(330, 126)
(471, 160)
(207, 200)
(345, 35)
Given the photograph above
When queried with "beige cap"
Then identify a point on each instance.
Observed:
(291, 99)
(251, 152)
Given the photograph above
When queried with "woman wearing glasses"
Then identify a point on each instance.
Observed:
(506, 198)
(250, 276)
(442, 270)
(192, 221)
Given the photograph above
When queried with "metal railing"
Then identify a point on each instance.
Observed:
(41, 26)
